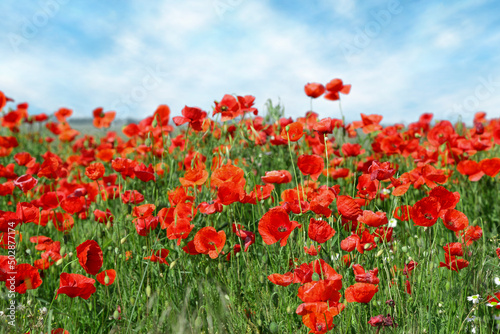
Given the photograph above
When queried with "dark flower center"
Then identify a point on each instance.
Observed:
(282, 229)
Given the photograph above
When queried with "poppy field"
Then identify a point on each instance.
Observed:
(239, 220)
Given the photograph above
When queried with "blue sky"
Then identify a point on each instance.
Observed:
(402, 58)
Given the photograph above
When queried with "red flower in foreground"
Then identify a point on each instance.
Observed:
(209, 241)
(311, 165)
(276, 226)
(90, 256)
(26, 278)
(365, 277)
(101, 277)
(320, 231)
(294, 131)
(75, 285)
(453, 263)
(360, 293)
(25, 182)
(95, 171)
(192, 115)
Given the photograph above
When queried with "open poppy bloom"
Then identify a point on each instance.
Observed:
(110, 274)
(360, 293)
(95, 171)
(361, 276)
(26, 278)
(228, 107)
(159, 256)
(209, 241)
(90, 256)
(335, 87)
(192, 115)
(103, 119)
(320, 231)
(75, 285)
(25, 182)
(452, 263)
(311, 165)
(276, 226)
(292, 132)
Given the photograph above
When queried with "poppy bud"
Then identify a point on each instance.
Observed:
(58, 262)
(154, 123)
(117, 250)
(366, 246)
(132, 300)
(147, 142)
(109, 225)
(148, 291)
(289, 310)
(207, 271)
(116, 315)
(62, 250)
(379, 253)
(287, 128)
(122, 241)
(70, 254)
(404, 249)
(447, 286)
(259, 322)
(376, 239)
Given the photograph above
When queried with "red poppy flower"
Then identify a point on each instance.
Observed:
(143, 211)
(90, 256)
(24, 159)
(144, 226)
(350, 243)
(103, 217)
(490, 167)
(352, 150)
(95, 171)
(470, 234)
(312, 250)
(73, 205)
(365, 277)
(27, 212)
(381, 171)
(455, 220)
(103, 119)
(101, 277)
(373, 219)
(320, 231)
(402, 212)
(276, 226)
(498, 252)
(228, 107)
(75, 285)
(63, 222)
(132, 197)
(335, 87)
(283, 280)
(319, 291)
(25, 182)
(348, 208)
(452, 263)
(314, 90)
(26, 278)
(179, 230)
(277, 176)
(471, 169)
(159, 256)
(311, 165)
(192, 115)
(426, 211)
(209, 241)
(454, 248)
(360, 293)
(495, 299)
(293, 131)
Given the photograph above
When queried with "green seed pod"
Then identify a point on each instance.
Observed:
(447, 286)
(273, 327)
(106, 279)
(289, 310)
(404, 249)
(315, 277)
(148, 291)
(207, 271)
(132, 300)
(63, 250)
(259, 322)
